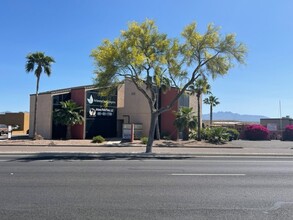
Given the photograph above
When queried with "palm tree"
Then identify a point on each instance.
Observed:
(212, 101)
(185, 120)
(69, 114)
(200, 87)
(42, 64)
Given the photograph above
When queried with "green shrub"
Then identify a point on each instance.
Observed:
(203, 134)
(193, 135)
(217, 135)
(144, 140)
(233, 134)
(98, 139)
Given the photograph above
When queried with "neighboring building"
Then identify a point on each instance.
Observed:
(20, 119)
(276, 125)
(105, 115)
(238, 125)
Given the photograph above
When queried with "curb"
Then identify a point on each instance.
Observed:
(120, 146)
(105, 156)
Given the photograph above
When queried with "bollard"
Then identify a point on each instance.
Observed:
(9, 134)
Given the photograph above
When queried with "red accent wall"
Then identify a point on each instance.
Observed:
(78, 96)
(167, 118)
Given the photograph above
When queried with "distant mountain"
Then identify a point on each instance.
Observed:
(233, 116)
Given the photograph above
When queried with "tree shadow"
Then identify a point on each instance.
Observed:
(103, 156)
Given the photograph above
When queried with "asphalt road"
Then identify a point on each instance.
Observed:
(203, 188)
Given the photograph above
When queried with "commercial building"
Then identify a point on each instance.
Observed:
(105, 115)
(19, 120)
(276, 125)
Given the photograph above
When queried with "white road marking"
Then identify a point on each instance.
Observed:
(207, 174)
(221, 161)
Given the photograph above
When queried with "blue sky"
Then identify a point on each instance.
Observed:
(69, 30)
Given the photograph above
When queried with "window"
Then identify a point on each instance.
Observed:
(184, 101)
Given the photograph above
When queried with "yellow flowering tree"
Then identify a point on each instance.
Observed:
(153, 61)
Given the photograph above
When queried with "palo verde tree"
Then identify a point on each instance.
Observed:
(212, 101)
(151, 60)
(38, 62)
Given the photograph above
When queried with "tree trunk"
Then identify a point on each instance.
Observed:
(158, 136)
(154, 119)
(198, 118)
(68, 132)
(35, 115)
(211, 115)
(185, 134)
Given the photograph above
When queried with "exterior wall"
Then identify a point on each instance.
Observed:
(21, 119)
(121, 96)
(280, 125)
(193, 103)
(168, 117)
(44, 115)
(135, 107)
(78, 96)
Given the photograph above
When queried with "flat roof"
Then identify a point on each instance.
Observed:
(66, 90)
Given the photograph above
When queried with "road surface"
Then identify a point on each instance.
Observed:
(202, 188)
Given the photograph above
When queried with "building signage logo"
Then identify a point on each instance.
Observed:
(93, 112)
(90, 100)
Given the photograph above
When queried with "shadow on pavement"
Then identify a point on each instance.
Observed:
(106, 156)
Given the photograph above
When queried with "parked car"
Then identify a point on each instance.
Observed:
(3, 129)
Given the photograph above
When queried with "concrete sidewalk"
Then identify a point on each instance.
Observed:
(161, 148)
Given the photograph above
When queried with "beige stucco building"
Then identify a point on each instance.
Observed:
(126, 105)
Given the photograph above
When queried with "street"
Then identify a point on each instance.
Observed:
(201, 188)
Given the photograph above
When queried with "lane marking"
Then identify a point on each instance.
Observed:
(226, 161)
(207, 174)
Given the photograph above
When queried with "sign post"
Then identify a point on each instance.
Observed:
(132, 133)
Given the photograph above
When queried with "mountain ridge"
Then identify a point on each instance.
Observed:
(227, 115)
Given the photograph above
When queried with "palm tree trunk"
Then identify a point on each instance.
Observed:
(211, 115)
(198, 118)
(68, 132)
(36, 104)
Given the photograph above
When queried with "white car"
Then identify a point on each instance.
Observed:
(3, 129)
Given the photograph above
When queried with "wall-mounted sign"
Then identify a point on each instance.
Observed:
(272, 127)
(100, 106)
(100, 100)
(93, 112)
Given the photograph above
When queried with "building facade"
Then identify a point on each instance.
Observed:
(105, 115)
(20, 120)
(276, 125)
